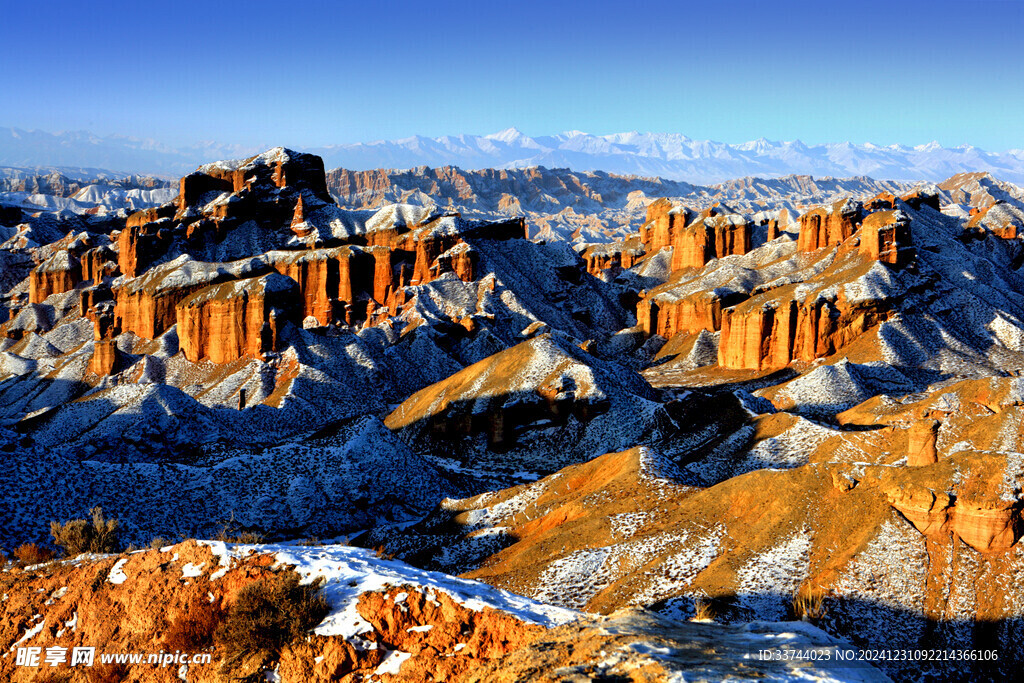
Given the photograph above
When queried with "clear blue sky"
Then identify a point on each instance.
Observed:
(313, 73)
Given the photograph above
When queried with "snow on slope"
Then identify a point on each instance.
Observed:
(349, 572)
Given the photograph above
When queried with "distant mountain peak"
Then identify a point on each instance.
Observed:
(509, 135)
(667, 155)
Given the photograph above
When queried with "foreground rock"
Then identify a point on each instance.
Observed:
(386, 621)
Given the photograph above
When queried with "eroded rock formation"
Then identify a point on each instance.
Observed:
(237, 319)
(710, 238)
(60, 273)
(965, 495)
(885, 237)
(829, 226)
(664, 220)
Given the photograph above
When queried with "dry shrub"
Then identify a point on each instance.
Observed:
(193, 630)
(233, 532)
(267, 615)
(160, 542)
(703, 608)
(383, 553)
(809, 604)
(79, 536)
(30, 553)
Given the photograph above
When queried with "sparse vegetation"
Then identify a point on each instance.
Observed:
(30, 553)
(160, 542)
(232, 532)
(77, 536)
(267, 615)
(383, 553)
(703, 609)
(809, 604)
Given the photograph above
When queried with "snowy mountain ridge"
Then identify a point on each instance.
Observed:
(672, 156)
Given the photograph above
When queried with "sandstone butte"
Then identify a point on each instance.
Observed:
(767, 328)
(224, 314)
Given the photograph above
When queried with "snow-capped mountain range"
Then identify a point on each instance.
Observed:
(667, 155)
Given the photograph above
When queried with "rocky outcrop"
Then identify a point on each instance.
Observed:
(613, 256)
(1000, 219)
(777, 224)
(829, 226)
(768, 332)
(105, 357)
(710, 238)
(239, 319)
(98, 264)
(329, 280)
(883, 201)
(663, 220)
(919, 199)
(147, 308)
(965, 495)
(60, 273)
(758, 337)
(667, 315)
(921, 439)
(526, 400)
(150, 215)
(885, 237)
(139, 246)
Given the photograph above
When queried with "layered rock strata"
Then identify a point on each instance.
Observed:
(236, 319)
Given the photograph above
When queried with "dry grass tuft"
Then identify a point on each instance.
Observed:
(160, 542)
(704, 609)
(809, 604)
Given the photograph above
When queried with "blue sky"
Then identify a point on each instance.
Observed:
(314, 73)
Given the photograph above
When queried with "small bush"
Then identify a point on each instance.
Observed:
(232, 532)
(809, 604)
(160, 542)
(703, 609)
(193, 631)
(30, 553)
(242, 537)
(382, 552)
(78, 536)
(267, 615)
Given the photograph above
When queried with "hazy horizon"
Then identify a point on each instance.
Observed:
(316, 74)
